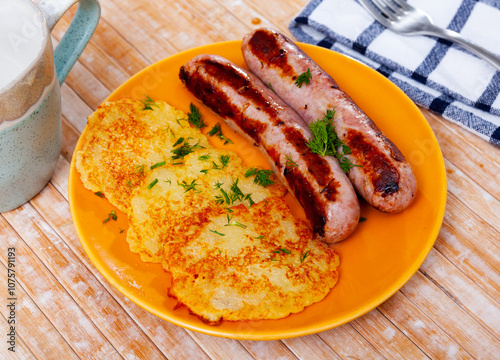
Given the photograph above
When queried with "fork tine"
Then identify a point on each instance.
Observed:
(385, 8)
(403, 4)
(375, 12)
(396, 8)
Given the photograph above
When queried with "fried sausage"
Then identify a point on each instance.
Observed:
(249, 107)
(383, 177)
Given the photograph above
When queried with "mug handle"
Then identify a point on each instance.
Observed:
(78, 33)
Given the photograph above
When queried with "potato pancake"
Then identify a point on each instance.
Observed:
(250, 264)
(125, 138)
(222, 230)
(183, 197)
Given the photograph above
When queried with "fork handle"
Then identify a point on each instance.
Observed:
(447, 34)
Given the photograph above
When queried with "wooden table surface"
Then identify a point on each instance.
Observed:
(450, 309)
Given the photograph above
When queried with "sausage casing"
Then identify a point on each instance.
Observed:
(248, 106)
(383, 177)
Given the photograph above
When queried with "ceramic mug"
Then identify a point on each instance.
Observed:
(30, 101)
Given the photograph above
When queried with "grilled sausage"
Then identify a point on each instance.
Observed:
(250, 108)
(384, 179)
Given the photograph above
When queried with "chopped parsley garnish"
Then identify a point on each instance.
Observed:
(153, 183)
(326, 142)
(100, 194)
(184, 149)
(148, 103)
(216, 131)
(194, 117)
(218, 233)
(303, 256)
(262, 177)
(282, 251)
(111, 216)
(260, 237)
(362, 219)
(158, 165)
(191, 186)
(305, 77)
(289, 162)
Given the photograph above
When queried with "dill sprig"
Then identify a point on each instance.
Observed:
(289, 162)
(148, 103)
(187, 187)
(195, 118)
(305, 77)
(234, 194)
(262, 177)
(326, 142)
(217, 131)
(184, 149)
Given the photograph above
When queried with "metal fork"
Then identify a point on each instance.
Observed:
(402, 18)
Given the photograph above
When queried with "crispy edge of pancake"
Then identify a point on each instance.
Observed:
(200, 284)
(123, 140)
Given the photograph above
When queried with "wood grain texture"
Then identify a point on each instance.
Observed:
(450, 309)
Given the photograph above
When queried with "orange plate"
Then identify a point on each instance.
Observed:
(376, 261)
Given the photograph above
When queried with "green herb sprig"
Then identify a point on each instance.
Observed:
(111, 216)
(326, 142)
(305, 77)
(262, 177)
(195, 118)
(148, 103)
(184, 149)
(217, 131)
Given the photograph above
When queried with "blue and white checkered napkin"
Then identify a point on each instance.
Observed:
(434, 73)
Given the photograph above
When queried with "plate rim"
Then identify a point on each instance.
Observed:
(354, 314)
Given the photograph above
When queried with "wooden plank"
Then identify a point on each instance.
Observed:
(474, 196)
(74, 109)
(385, 337)
(125, 19)
(310, 347)
(267, 349)
(21, 350)
(220, 348)
(349, 343)
(457, 136)
(465, 154)
(48, 293)
(76, 285)
(69, 139)
(476, 263)
(469, 225)
(94, 58)
(421, 330)
(463, 291)
(431, 299)
(33, 328)
(171, 340)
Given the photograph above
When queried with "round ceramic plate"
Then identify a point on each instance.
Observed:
(376, 260)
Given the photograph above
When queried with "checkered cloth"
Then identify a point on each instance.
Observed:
(434, 73)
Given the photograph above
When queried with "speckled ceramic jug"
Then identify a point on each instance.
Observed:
(30, 102)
